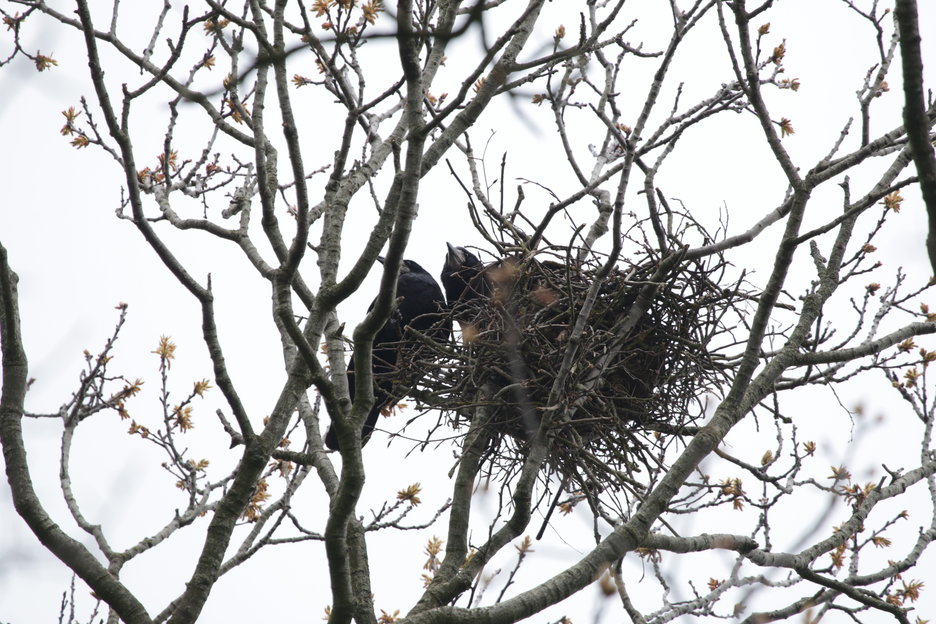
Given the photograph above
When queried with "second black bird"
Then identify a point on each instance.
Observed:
(421, 306)
(466, 283)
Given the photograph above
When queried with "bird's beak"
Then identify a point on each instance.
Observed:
(454, 258)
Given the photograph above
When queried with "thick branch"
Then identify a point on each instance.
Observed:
(25, 499)
(916, 121)
(871, 347)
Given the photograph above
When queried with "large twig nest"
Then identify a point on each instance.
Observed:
(639, 367)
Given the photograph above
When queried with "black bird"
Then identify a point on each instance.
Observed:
(464, 280)
(421, 306)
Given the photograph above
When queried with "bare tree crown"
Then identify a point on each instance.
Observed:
(617, 333)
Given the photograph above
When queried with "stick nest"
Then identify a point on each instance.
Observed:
(634, 382)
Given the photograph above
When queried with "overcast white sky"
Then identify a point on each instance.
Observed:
(76, 261)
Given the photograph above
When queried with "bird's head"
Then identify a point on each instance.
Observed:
(407, 266)
(463, 275)
(459, 258)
